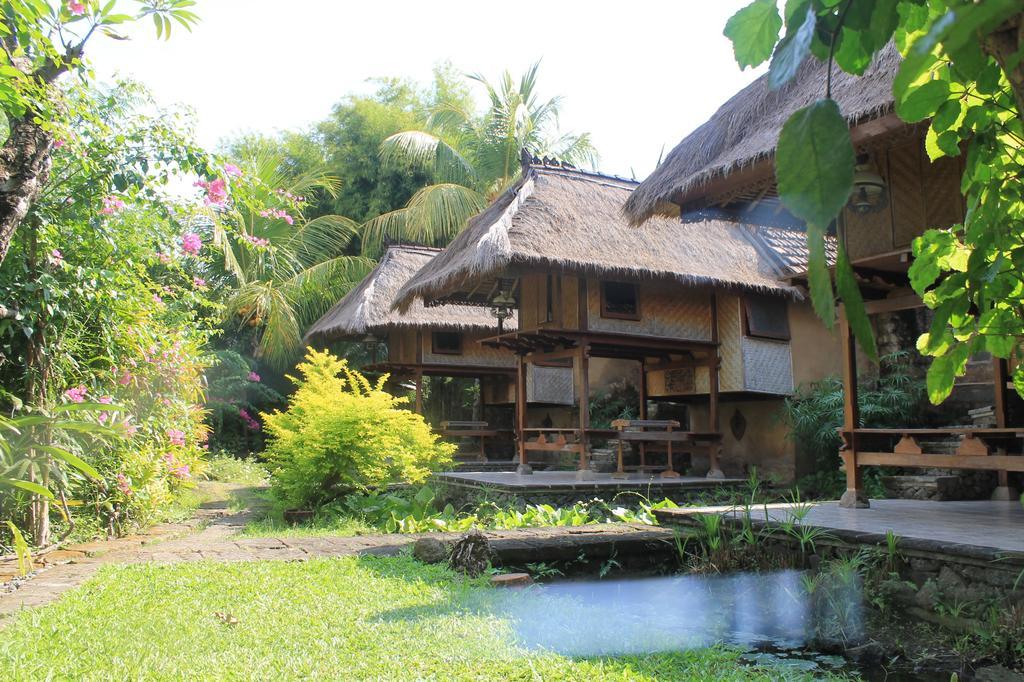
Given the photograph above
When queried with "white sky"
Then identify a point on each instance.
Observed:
(637, 75)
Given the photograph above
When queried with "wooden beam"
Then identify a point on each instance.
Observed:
(990, 463)
(419, 392)
(892, 305)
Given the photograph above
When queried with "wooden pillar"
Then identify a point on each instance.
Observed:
(520, 417)
(714, 421)
(419, 392)
(854, 497)
(1000, 375)
(583, 358)
(643, 410)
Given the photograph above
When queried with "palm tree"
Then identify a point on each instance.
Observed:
(286, 271)
(471, 158)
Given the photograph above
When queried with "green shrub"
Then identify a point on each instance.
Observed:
(340, 433)
(225, 467)
(814, 415)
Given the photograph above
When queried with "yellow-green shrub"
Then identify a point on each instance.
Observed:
(340, 432)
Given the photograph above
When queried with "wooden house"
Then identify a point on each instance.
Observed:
(419, 341)
(697, 313)
(725, 170)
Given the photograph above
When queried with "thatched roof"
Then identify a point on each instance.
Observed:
(746, 128)
(369, 307)
(568, 220)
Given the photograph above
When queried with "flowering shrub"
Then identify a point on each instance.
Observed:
(340, 433)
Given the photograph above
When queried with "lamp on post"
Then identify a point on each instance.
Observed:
(869, 190)
(502, 306)
(371, 342)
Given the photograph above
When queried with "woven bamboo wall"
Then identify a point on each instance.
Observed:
(922, 195)
(550, 385)
(666, 310)
(730, 336)
(767, 366)
(472, 353)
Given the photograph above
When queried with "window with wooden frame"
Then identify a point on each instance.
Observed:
(766, 317)
(446, 343)
(620, 300)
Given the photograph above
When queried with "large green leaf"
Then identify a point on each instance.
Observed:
(5, 127)
(923, 101)
(818, 276)
(791, 52)
(853, 304)
(814, 163)
(944, 370)
(70, 458)
(27, 486)
(754, 30)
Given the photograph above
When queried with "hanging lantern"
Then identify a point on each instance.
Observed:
(502, 306)
(869, 191)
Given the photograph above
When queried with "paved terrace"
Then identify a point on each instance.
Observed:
(981, 528)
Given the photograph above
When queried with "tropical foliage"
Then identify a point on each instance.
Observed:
(341, 433)
(960, 73)
(814, 415)
(471, 158)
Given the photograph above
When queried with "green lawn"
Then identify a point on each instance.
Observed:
(347, 618)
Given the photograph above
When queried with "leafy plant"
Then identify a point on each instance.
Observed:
(960, 72)
(340, 433)
(814, 415)
(21, 550)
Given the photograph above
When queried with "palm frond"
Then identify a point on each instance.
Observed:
(428, 152)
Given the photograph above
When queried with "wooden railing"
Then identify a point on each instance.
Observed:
(471, 429)
(979, 448)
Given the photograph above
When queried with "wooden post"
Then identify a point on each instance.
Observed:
(419, 392)
(524, 463)
(854, 497)
(584, 472)
(714, 425)
(643, 409)
(1000, 375)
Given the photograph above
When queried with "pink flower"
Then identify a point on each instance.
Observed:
(181, 471)
(56, 258)
(157, 299)
(253, 376)
(57, 144)
(165, 258)
(191, 243)
(76, 7)
(123, 485)
(103, 417)
(232, 171)
(125, 379)
(176, 437)
(76, 395)
(277, 213)
(216, 191)
(257, 241)
(199, 282)
(112, 205)
(129, 428)
(106, 400)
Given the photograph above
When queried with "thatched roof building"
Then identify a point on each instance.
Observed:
(369, 308)
(555, 218)
(745, 130)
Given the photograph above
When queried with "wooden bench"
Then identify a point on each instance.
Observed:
(470, 429)
(973, 452)
(638, 431)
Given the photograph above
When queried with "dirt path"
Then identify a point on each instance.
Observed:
(213, 534)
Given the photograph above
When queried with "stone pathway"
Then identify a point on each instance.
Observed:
(213, 535)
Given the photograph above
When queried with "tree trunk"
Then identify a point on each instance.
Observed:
(25, 161)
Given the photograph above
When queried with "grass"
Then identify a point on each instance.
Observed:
(346, 618)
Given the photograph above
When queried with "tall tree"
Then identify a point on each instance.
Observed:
(471, 158)
(38, 44)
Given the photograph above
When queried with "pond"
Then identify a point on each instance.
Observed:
(777, 617)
